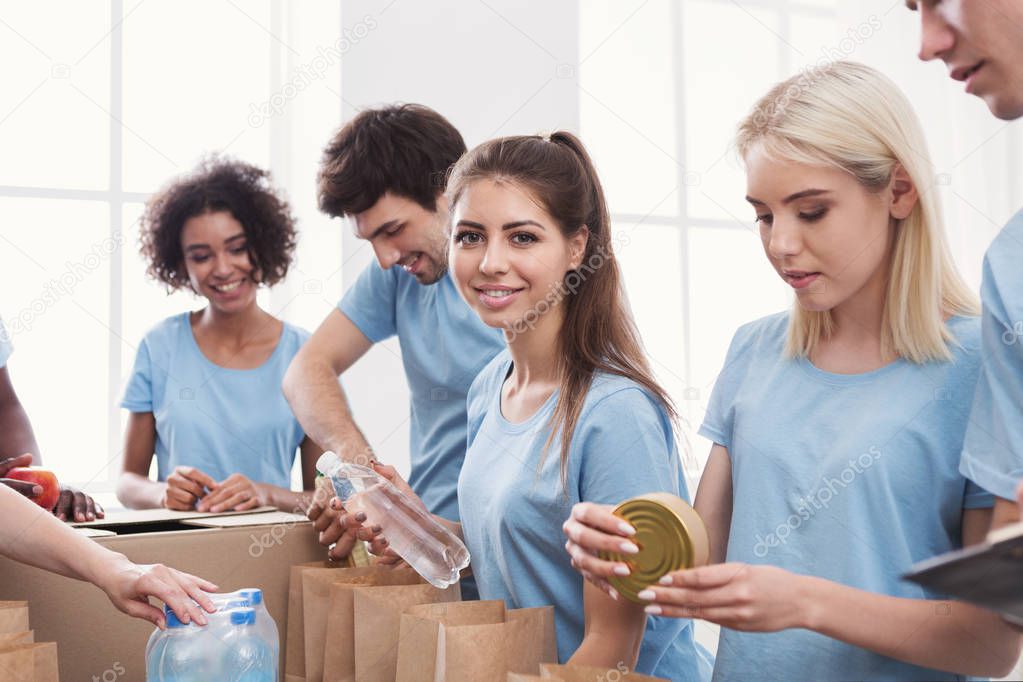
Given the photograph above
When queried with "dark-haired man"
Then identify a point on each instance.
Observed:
(981, 42)
(385, 169)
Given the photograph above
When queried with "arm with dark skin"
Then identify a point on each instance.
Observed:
(18, 448)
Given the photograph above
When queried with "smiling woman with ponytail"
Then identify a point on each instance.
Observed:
(570, 412)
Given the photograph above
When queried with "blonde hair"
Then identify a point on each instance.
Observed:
(852, 117)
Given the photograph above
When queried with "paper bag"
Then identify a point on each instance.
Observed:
(13, 616)
(316, 604)
(15, 638)
(377, 621)
(473, 641)
(519, 677)
(583, 673)
(29, 663)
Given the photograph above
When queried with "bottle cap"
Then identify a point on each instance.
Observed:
(253, 595)
(326, 461)
(172, 618)
(243, 616)
(670, 536)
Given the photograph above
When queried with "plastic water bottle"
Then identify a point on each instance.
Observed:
(251, 597)
(245, 656)
(265, 624)
(432, 550)
(155, 646)
(181, 654)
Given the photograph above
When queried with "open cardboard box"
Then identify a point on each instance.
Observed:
(234, 550)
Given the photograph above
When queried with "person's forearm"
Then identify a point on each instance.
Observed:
(318, 402)
(285, 499)
(951, 636)
(18, 437)
(1005, 513)
(607, 650)
(140, 492)
(34, 537)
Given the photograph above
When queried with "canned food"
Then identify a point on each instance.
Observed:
(670, 536)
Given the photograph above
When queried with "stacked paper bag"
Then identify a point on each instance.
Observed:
(380, 624)
(22, 659)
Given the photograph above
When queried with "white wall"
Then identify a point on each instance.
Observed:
(492, 69)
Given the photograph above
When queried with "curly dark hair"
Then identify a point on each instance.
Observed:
(218, 184)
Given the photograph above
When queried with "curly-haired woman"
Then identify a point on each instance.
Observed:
(205, 394)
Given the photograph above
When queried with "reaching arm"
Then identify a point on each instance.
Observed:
(312, 388)
(714, 501)
(32, 536)
(613, 631)
(18, 437)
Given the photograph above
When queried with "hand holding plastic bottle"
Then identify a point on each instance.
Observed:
(378, 544)
(408, 530)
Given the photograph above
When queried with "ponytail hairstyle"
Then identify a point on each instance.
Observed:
(598, 333)
(852, 117)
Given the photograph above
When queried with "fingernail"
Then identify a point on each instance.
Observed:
(653, 610)
(646, 595)
(360, 517)
(629, 547)
(626, 528)
(665, 580)
(614, 593)
(621, 570)
(377, 529)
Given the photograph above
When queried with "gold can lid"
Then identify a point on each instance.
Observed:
(670, 536)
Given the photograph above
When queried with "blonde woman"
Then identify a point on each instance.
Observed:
(837, 426)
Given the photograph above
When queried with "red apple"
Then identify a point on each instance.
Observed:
(43, 477)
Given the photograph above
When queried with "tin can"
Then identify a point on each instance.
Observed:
(670, 536)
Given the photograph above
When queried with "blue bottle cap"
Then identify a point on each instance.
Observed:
(172, 618)
(254, 595)
(244, 616)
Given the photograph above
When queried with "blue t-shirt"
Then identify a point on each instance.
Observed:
(849, 477)
(221, 421)
(444, 345)
(512, 507)
(6, 347)
(993, 453)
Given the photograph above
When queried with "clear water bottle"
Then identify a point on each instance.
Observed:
(251, 597)
(245, 657)
(265, 624)
(429, 548)
(182, 654)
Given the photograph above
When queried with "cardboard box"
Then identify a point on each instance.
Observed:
(96, 641)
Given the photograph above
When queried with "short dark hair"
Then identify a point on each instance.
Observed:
(218, 184)
(405, 149)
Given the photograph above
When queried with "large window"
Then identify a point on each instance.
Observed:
(107, 103)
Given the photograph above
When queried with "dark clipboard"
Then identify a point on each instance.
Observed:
(989, 574)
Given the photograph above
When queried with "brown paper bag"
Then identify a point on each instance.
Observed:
(519, 677)
(473, 641)
(16, 638)
(316, 604)
(584, 673)
(29, 662)
(13, 616)
(294, 647)
(377, 619)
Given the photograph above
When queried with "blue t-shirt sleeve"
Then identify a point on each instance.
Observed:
(138, 394)
(370, 303)
(627, 448)
(993, 448)
(720, 417)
